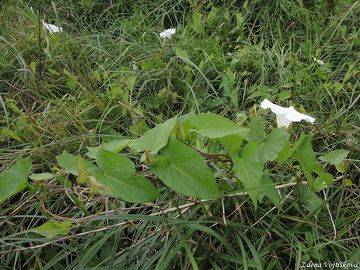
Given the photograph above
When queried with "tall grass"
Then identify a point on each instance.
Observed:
(109, 75)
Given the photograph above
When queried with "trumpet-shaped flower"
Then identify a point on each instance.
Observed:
(284, 116)
(167, 33)
(51, 27)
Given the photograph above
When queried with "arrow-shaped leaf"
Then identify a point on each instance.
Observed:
(119, 180)
(183, 169)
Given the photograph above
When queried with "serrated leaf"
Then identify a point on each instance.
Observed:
(42, 176)
(184, 170)
(155, 139)
(119, 180)
(273, 144)
(335, 157)
(215, 126)
(14, 179)
(51, 229)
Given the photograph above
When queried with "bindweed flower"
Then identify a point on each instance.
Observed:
(285, 116)
(52, 28)
(167, 33)
(320, 62)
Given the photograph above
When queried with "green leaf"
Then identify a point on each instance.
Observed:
(215, 126)
(249, 173)
(113, 146)
(119, 181)
(83, 174)
(69, 163)
(268, 188)
(257, 129)
(197, 22)
(10, 134)
(335, 157)
(51, 229)
(324, 180)
(342, 167)
(155, 139)
(182, 53)
(305, 155)
(348, 182)
(273, 144)
(307, 158)
(231, 142)
(285, 153)
(313, 201)
(251, 151)
(71, 81)
(184, 170)
(42, 176)
(14, 179)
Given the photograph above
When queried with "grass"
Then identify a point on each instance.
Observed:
(109, 74)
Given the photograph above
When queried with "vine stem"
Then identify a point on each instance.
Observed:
(162, 212)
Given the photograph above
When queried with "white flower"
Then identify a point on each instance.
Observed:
(284, 116)
(320, 62)
(167, 33)
(52, 28)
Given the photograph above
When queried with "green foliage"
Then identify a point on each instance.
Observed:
(184, 170)
(336, 158)
(52, 229)
(119, 180)
(70, 164)
(108, 77)
(250, 173)
(307, 158)
(273, 144)
(14, 179)
(155, 139)
(42, 176)
(215, 126)
(113, 146)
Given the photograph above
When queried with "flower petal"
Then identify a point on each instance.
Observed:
(168, 33)
(284, 116)
(282, 120)
(52, 28)
(266, 104)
